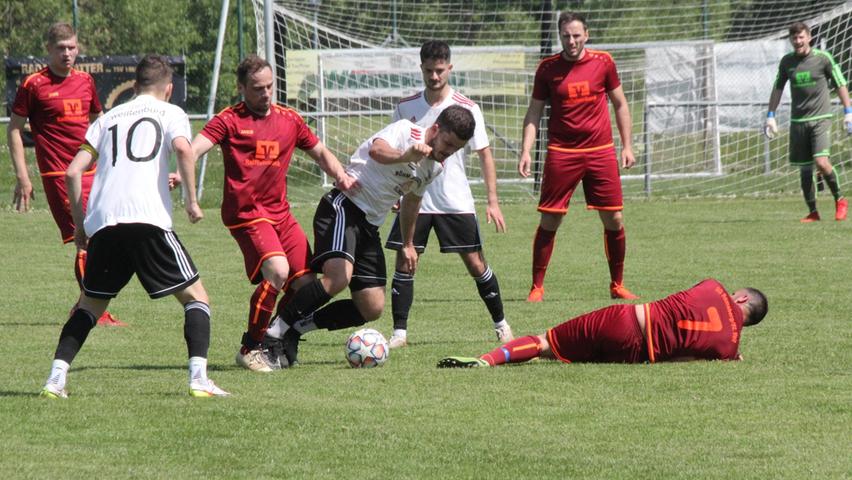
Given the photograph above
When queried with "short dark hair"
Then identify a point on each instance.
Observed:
(435, 50)
(249, 66)
(799, 27)
(757, 306)
(152, 70)
(58, 32)
(568, 17)
(458, 120)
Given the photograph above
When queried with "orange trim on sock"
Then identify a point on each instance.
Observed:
(294, 277)
(649, 333)
(266, 287)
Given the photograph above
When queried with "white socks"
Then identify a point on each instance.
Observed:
(58, 373)
(197, 369)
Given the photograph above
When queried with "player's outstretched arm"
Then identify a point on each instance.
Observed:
(186, 167)
(530, 129)
(624, 124)
(408, 210)
(489, 175)
(329, 164)
(23, 187)
(74, 185)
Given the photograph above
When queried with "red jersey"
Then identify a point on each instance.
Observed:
(701, 322)
(577, 92)
(257, 152)
(58, 109)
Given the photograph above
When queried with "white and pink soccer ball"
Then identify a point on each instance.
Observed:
(366, 348)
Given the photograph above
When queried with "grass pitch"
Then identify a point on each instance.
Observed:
(782, 413)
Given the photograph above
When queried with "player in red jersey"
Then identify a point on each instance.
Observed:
(60, 102)
(701, 323)
(576, 83)
(258, 138)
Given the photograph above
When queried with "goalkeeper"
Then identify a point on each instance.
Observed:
(810, 71)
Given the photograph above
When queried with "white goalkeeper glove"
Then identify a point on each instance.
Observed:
(847, 119)
(771, 128)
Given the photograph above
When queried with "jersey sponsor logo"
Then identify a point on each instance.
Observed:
(265, 153)
(410, 185)
(578, 92)
(52, 94)
(72, 109)
(712, 324)
(247, 132)
(803, 79)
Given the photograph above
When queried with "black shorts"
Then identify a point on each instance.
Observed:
(456, 232)
(155, 255)
(341, 230)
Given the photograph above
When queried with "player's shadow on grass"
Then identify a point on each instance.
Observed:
(210, 367)
(6, 393)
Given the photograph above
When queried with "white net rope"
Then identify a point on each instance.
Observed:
(697, 74)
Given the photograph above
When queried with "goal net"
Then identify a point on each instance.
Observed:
(697, 75)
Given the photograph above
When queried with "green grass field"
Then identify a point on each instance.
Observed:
(785, 412)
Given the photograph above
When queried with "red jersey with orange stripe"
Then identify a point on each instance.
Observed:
(701, 322)
(577, 92)
(58, 109)
(257, 152)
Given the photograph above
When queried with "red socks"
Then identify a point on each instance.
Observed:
(516, 351)
(80, 267)
(260, 310)
(542, 251)
(615, 246)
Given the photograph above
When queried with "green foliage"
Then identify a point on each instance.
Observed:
(137, 27)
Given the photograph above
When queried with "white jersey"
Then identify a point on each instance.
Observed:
(451, 192)
(134, 143)
(383, 184)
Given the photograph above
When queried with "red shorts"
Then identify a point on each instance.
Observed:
(563, 171)
(261, 240)
(610, 335)
(57, 199)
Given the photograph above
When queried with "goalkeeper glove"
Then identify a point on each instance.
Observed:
(847, 119)
(771, 128)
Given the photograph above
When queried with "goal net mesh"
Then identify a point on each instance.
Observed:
(697, 75)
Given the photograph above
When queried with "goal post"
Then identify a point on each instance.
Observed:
(697, 75)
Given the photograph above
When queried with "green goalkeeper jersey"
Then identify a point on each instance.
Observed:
(811, 78)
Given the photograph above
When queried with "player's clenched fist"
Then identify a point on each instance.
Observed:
(771, 128)
(416, 152)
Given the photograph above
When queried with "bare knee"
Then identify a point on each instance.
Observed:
(612, 220)
(275, 270)
(370, 302)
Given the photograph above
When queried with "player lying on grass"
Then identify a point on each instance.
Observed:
(128, 225)
(701, 323)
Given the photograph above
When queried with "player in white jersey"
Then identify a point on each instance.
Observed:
(401, 160)
(448, 202)
(128, 226)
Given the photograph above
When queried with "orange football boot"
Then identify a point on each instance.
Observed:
(842, 208)
(536, 294)
(109, 320)
(812, 217)
(618, 290)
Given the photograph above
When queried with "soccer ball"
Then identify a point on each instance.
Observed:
(366, 348)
